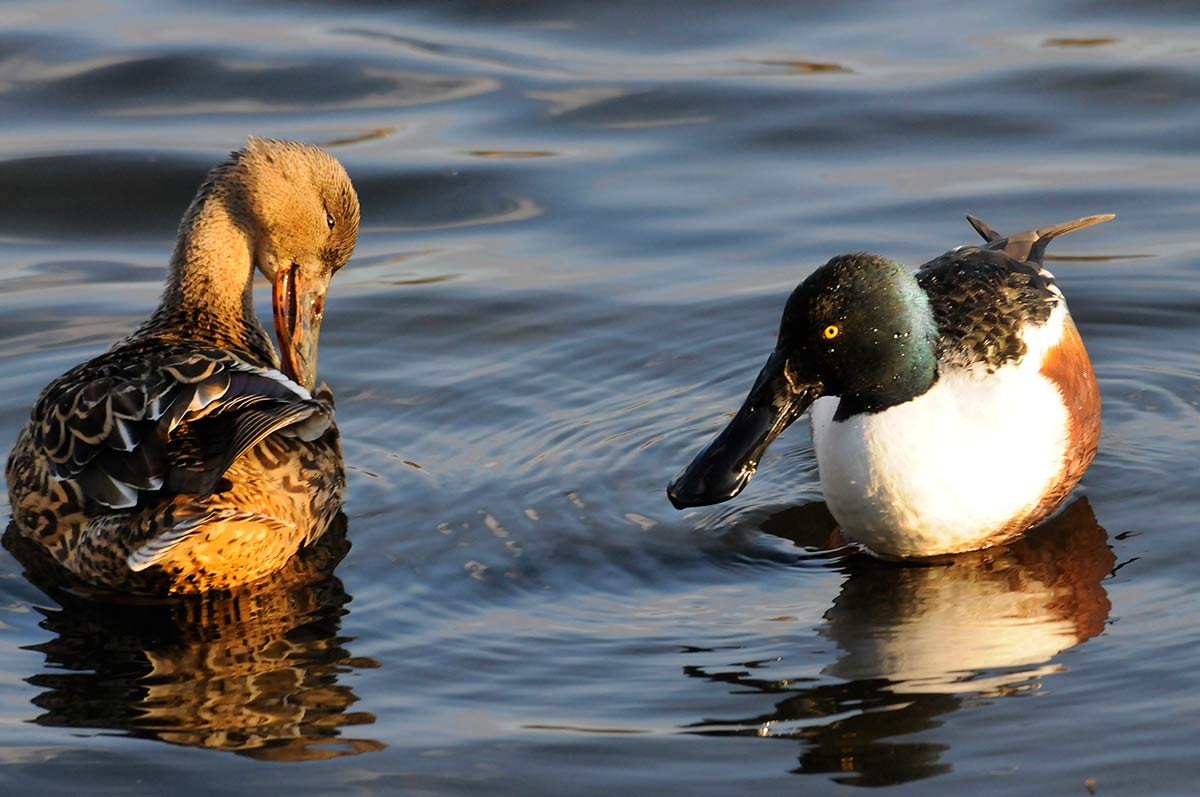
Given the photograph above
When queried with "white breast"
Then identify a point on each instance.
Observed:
(943, 472)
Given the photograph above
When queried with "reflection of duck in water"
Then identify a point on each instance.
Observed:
(917, 642)
(951, 410)
(254, 670)
(183, 459)
(939, 628)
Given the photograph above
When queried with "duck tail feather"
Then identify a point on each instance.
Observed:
(1030, 246)
(1044, 235)
(985, 231)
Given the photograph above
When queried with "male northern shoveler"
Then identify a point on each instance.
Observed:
(951, 409)
(186, 457)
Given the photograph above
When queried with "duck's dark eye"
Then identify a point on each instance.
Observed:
(329, 219)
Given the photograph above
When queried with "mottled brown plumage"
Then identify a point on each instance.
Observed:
(186, 457)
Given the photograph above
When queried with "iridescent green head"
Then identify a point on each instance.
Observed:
(859, 328)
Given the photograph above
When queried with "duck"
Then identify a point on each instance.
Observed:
(952, 409)
(191, 456)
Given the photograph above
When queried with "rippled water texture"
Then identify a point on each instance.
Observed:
(580, 223)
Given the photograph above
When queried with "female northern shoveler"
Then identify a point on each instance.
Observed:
(183, 459)
(951, 409)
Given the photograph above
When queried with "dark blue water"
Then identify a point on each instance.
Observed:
(580, 221)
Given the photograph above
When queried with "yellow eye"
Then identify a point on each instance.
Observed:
(832, 331)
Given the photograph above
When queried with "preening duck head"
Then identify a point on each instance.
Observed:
(302, 213)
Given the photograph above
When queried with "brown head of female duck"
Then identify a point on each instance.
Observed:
(189, 456)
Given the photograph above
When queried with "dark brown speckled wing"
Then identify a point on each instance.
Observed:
(155, 415)
(982, 296)
(981, 300)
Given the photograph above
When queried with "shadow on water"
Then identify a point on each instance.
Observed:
(254, 671)
(916, 643)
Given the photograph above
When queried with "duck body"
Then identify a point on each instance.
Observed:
(187, 457)
(979, 458)
(951, 410)
(177, 527)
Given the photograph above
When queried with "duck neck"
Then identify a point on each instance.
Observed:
(912, 371)
(209, 291)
